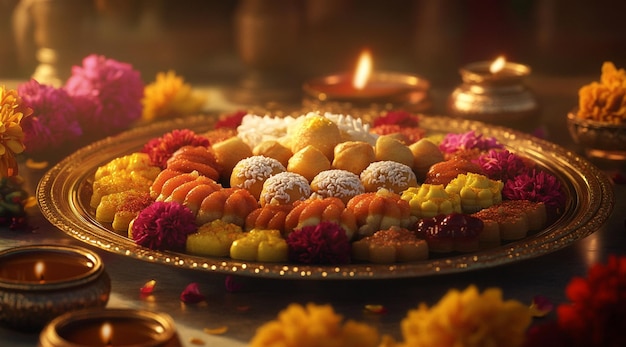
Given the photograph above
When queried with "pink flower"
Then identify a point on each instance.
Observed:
(470, 140)
(163, 225)
(162, 148)
(107, 94)
(191, 294)
(535, 185)
(324, 243)
(501, 164)
(53, 122)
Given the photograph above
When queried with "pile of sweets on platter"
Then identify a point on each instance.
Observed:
(324, 188)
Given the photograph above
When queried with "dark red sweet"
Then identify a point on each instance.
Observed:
(452, 232)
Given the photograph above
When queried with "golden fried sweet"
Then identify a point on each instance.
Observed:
(273, 149)
(353, 156)
(229, 152)
(317, 131)
(308, 162)
(425, 154)
(389, 148)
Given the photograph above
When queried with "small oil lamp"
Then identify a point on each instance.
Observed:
(41, 282)
(494, 92)
(110, 327)
(367, 88)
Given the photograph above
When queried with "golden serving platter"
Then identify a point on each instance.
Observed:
(64, 191)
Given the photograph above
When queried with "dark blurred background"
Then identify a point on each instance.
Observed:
(210, 41)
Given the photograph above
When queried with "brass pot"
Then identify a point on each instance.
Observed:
(74, 278)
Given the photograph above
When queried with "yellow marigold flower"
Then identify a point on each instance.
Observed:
(604, 101)
(314, 325)
(11, 135)
(467, 319)
(169, 96)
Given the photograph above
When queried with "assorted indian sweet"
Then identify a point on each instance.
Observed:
(324, 189)
(390, 246)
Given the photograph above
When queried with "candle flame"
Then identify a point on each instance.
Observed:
(39, 269)
(363, 70)
(106, 333)
(497, 64)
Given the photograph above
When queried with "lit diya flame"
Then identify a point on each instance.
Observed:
(39, 269)
(497, 65)
(106, 333)
(363, 70)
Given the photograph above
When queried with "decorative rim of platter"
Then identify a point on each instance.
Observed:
(63, 194)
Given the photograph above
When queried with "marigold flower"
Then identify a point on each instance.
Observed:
(169, 96)
(12, 112)
(53, 122)
(314, 325)
(107, 94)
(468, 319)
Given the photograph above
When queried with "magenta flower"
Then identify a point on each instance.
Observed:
(535, 185)
(501, 164)
(53, 122)
(162, 148)
(163, 226)
(192, 294)
(324, 243)
(107, 94)
(470, 140)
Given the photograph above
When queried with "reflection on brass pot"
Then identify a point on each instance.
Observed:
(126, 327)
(28, 303)
(598, 139)
(497, 98)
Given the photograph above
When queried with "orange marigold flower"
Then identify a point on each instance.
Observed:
(11, 135)
(314, 325)
(467, 318)
(169, 96)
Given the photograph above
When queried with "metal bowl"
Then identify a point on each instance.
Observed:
(598, 139)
